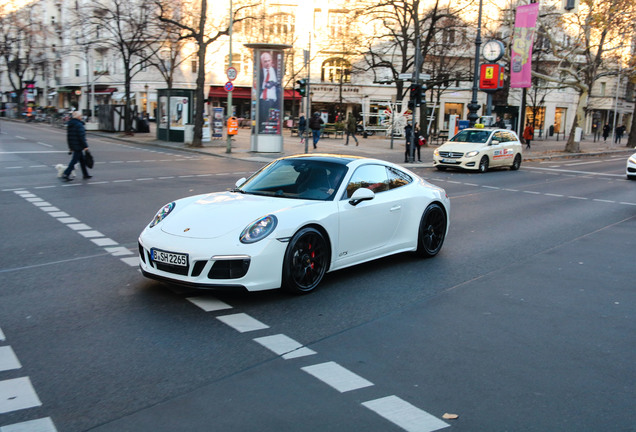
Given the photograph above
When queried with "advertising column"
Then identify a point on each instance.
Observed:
(267, 97)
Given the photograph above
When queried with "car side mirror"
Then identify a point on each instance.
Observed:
(361, 194)
(494, 142)
(240, 182)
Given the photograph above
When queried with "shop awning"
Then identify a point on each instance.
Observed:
(104, 91)
(244, 93)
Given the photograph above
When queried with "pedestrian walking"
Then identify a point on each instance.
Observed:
(606, 131)
(76, 140)
(528, 134)
(417, 142)
(350, 129)
(302, 127)
(620, 130)
(315, 124)
(408, 133)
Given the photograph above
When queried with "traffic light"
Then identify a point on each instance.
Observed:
(302, 87)
(415, 92)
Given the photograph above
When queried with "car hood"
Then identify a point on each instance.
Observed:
(217, 214)
(460, 147)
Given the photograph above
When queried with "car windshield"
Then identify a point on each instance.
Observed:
(296, 178)
(471, 136)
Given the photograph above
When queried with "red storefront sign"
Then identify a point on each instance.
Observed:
(490, 77)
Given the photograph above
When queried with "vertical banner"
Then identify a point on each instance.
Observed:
(521, 57)
(269, 90)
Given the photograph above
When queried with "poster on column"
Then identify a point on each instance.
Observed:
(521, 57)
(270, 91)
(217, 122)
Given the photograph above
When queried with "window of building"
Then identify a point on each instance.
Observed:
(281, 24)
(337, 24)
(239, 62)
(536, 116)
(336, 70)
(195, 64)
(603, 87)
(77, 70)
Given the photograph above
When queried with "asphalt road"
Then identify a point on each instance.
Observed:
(524, 322)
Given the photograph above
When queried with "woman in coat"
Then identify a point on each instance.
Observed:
(76, 140)
(528, 134)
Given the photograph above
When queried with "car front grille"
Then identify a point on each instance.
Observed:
(221, 269)
(454, 155)
(631, 170)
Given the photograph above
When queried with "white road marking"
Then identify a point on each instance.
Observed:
(39, 425)
(8, 359)
(284, 346)
(44, 144)
(91, 234)
(119, 251)
(405, 415)
(338, 377)
(104, 242)
(17, 394)
(68, 220)
(208, 304)
(78, 226)
(242, 322)
(132, 261)
(590, 173)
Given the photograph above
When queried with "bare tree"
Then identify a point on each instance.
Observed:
(128, 27)
(204, 27)
(582, 47)
(20, 36)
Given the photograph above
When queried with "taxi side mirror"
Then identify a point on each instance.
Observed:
(494, 142)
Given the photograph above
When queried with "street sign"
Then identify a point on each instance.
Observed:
(231, 73)
(228, 86)
(425, 77)
(405, 76)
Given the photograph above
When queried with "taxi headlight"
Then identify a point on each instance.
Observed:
(632, 159)
(436, 152)
(472, 153)
(259, 229)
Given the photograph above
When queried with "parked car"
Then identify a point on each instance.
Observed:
(292, 221)
(479, 149)
(630, 170)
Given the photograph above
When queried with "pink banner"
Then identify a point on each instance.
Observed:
(521, 57)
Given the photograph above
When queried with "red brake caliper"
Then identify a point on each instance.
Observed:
(313, 255)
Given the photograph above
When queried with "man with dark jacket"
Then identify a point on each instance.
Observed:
(76, 140)
(315, 124)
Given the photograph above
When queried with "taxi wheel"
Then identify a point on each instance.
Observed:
(516, 163)
(483, 164)
(432, 231)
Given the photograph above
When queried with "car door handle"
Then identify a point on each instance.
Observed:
(396, 208)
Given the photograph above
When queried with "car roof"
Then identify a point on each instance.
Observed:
(325, 157)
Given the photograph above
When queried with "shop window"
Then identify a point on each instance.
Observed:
(535, 116)
(336, 70)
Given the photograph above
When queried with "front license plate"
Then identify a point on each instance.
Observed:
(172, 258)
(451, 161)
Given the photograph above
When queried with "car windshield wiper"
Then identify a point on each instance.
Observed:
(237, 190)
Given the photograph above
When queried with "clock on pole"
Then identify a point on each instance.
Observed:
(493, 50)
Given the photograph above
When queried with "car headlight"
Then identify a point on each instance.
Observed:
(162, 213)
(436, 152)
(472, 153)
(259, 229)
(632, 159)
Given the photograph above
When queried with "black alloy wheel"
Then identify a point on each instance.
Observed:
(432, 231)
(483, 164)
(306, 261)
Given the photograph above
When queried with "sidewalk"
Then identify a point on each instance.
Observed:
(374, 147)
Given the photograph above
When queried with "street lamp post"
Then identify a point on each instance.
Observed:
(473, 106)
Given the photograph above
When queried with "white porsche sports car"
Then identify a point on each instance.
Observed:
(292, 221)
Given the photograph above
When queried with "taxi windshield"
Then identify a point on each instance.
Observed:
(471, 136)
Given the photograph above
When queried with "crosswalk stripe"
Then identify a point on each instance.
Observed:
(17, 394)
(338, 377)
(405, 415)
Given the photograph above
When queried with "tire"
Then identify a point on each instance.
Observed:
(432, 231)
(440, 168)
(483, 164)
(631, 177)
(516, 163)
(305, 262)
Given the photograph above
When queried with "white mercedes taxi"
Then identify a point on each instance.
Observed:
(479, 149)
